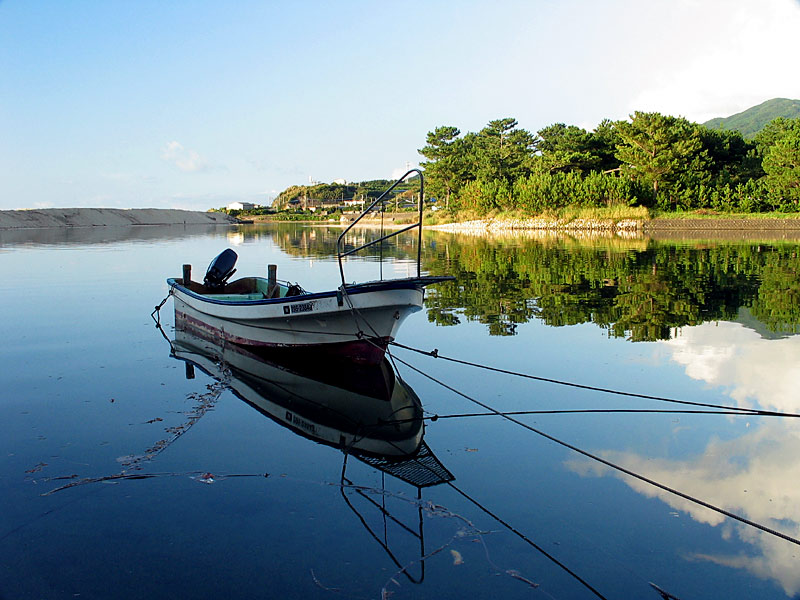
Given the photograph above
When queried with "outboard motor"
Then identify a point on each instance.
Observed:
(220, 270)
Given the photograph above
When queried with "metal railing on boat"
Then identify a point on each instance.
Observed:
(379, 201)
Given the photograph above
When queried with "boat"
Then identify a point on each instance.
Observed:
(366, 410)
(357, 320)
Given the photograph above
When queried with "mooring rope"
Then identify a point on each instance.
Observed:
(608, 463)
(528, 541)
(156, 314)
(662, 411)
(747, 411)
(497, 518)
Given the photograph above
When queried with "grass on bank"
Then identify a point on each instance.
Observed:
(614, 213)
(565, 214)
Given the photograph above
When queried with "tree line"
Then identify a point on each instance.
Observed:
(652, 160)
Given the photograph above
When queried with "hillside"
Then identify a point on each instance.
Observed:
(752, 120)
(368, 190)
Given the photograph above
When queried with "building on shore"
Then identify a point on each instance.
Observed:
(242, 206)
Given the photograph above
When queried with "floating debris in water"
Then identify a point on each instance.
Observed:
(201, 476)
(664, 594)
(205, 478)
(133, 462)
(319, 584)
(516, 575)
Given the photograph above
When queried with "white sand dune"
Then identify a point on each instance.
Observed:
(107, 217)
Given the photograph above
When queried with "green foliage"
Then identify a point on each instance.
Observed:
(773, 131)
(545, 191)
(501, 151)
(447, 167)
(327, 192)
(569, 148)
(782, 166)
(732, 159)
(661, 151)
(777, 303)
(605, 139)
(748, 197)
(303, 216)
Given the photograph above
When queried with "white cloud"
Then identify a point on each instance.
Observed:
(741, 53)
(185, 159)
(398, 172)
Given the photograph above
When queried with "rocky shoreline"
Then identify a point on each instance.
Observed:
(539, 224)
(107, 217)
(625, 228)
(621, 227)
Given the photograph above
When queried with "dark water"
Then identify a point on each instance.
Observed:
(91, 394)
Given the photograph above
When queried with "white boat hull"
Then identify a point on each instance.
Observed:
(359, 323)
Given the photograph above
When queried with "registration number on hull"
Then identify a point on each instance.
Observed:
(300, 307)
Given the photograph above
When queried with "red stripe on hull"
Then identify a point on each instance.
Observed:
(365, 351)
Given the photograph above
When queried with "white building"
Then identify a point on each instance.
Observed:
(241, 206)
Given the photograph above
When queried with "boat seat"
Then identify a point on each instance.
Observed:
(235, 297)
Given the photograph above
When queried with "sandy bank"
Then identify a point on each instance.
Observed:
(107, 217)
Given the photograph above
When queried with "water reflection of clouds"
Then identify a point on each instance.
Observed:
(756, 475)
(755, 369)
(235, 238)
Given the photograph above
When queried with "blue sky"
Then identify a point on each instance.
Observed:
(196, 104)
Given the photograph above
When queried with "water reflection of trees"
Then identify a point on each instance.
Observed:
(640, 292)
(635, 289)
(320, 241)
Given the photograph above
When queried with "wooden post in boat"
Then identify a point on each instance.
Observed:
(272, 281)
(187, 275)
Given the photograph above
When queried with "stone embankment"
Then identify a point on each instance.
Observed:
(107, 217)
(483, 226)
(623, 227)
(723, 224)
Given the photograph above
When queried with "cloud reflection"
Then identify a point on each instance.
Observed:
(757, 371)
(756, 475)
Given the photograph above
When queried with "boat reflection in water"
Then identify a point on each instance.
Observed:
(357, 407)
(367, 411)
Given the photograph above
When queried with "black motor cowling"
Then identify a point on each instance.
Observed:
(220, 270)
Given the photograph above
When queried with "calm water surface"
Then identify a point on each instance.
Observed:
(90, 391)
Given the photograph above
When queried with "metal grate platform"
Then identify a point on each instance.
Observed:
(421, 470)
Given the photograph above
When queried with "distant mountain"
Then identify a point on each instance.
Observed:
(752, 120)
